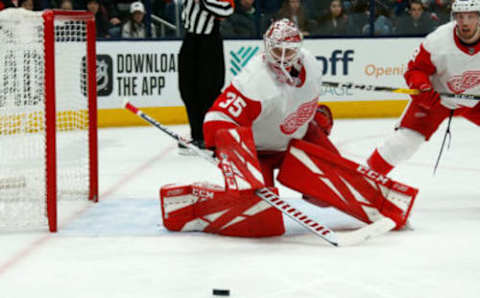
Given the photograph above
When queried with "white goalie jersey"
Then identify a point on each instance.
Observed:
(276, 111)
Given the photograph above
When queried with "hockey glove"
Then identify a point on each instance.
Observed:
(427, 97)
(324, 119)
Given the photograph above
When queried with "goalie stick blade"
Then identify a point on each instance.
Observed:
(372, 230)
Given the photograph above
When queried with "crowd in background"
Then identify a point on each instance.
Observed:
(161, 18)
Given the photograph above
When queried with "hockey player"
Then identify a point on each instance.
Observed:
(269, 118)
(448, 60)
(277, 96)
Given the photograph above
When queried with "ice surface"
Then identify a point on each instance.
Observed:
(118, 247)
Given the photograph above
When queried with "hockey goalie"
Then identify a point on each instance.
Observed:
(268, 119)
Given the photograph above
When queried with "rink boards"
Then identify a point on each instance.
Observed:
(146, 73)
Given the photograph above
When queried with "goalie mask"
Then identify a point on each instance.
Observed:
(283, 42)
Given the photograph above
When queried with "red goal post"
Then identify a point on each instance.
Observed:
(47, 104)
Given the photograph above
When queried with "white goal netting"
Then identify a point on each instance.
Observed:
(23, 162)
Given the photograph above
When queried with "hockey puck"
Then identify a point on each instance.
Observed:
(221, 292)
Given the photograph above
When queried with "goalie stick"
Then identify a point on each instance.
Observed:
(365, 87)
(347, 238)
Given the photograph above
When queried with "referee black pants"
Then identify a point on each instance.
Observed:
(201, 76)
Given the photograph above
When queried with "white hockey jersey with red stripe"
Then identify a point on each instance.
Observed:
(277, 112)
(452, 66)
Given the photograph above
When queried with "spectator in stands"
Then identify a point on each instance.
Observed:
(383, 24)
(26, 4)
(335, 22)
(295, 12)
(399, 7)
(359, 17)
(383, 19)
(242, 22)
(267, 10)
(269, 6)
(108, 9)
(113, 17)
(135, 26)
(316, 9)
(417, 22)
(439, 10)
(101, 20)
(166, 10)
(66, 5)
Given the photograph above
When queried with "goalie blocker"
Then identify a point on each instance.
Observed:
(321, 175)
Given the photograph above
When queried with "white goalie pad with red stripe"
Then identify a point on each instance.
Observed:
(344, 184)
(239, 163)
(209, 208)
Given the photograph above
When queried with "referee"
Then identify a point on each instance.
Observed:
(201, 72)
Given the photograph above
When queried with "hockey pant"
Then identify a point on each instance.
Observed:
(416, 127)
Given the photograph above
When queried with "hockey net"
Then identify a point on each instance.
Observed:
(48, 140)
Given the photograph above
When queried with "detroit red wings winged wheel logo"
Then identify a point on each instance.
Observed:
(468, 80)
(299, 117)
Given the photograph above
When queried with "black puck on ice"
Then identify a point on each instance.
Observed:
(221, 292)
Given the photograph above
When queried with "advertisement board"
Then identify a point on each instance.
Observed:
(146, 72)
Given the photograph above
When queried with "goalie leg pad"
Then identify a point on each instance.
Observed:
(209, 208)
(351, 188)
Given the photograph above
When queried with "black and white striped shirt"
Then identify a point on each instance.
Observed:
(200, 16)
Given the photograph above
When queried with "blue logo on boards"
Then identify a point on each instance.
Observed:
(240, 58)
(337, 62)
